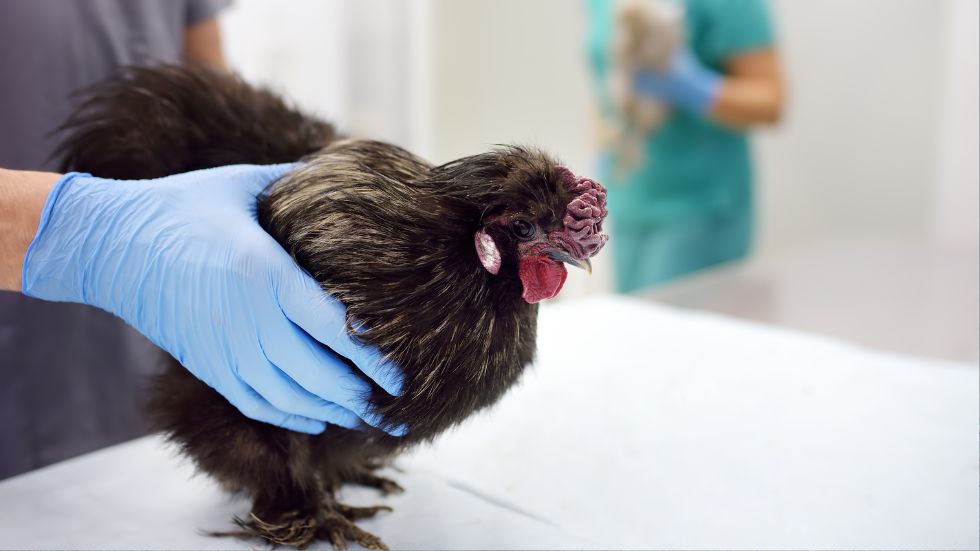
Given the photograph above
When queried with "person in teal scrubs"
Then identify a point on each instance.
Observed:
(687, 203)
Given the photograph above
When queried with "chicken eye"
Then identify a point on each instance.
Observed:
(522, 229)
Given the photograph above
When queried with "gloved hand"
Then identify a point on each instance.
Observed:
(183, 260)
(686, 84)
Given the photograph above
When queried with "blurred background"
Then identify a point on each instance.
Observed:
(866, 192)
(698, 431)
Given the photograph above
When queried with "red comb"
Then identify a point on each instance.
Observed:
(584, 215)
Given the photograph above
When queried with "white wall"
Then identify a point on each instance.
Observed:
(856, 148)
(344, 61)
(380, 68)
(957, 206)
(302, 52)
(510, 71)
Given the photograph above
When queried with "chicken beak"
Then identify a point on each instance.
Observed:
(561, 255)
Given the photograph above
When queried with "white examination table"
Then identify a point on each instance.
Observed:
(639, 427)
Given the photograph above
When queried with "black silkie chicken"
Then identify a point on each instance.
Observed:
(440, 268)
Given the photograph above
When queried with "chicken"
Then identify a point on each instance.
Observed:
(440, 267)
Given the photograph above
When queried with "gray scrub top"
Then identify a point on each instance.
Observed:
(70, 375)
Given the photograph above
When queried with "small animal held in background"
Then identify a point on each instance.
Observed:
(647, 35)
(440, 267)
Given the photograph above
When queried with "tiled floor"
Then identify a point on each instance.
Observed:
(892, 294)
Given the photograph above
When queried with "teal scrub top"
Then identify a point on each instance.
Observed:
(687, 203)
(692, 165)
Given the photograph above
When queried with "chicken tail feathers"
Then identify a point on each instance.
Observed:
(153, 122)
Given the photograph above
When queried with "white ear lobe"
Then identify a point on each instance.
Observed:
(487, 250)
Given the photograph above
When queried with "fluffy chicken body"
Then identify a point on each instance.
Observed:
(440, 268)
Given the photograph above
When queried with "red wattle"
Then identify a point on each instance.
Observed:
(542, 277)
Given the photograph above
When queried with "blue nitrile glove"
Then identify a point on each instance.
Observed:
(686, 84)
(183, 260)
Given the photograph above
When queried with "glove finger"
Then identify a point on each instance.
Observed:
(253, 406)
(277, 389)
(320, 371)
(322, 317)
(252, 179)
(271, 173)
(342, 417)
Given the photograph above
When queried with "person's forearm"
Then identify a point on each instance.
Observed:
(202, 44)
(22, 197)
(747, 101)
